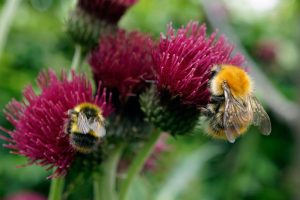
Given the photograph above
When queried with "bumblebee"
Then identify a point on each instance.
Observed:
(85, 127)
(233, 106)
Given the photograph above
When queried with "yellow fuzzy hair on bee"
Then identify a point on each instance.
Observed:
(85, 127)
(233, 107)
(237, 79)
(220, 134)
(86, 106)
(213, 130)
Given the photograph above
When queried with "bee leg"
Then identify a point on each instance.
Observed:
(206, 112)
(71, 112)
(214, 99)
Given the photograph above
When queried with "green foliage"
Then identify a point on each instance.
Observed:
(153, 16)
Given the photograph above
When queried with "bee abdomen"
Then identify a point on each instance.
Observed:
(84, 143)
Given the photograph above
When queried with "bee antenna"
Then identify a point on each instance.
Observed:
(150, 81)
(224, 84)
(70, 112)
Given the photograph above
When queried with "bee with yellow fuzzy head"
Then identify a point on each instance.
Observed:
(233, 106)
(85, 127)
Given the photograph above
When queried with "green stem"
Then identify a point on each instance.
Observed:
(56, 189)
(105, 183)
(8, 12)
(110, 170)
(138, 164)
(97, 186)
(76, 58)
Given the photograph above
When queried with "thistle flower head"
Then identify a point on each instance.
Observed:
(183, 61)
(123, 62)
(106, 10)
(39, 120)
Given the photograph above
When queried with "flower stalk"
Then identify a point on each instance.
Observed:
(97, 184)
(110, 169)
(56, 189)
(138, 163)
(105, 181)
(76, 61)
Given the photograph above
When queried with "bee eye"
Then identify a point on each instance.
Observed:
(212, 74)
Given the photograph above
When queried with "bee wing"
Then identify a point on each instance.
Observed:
(98, 128)
(83, 123)
(234, 114)
(260, 117)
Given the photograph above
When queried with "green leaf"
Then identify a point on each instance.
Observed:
(139, 190)
(185, 172)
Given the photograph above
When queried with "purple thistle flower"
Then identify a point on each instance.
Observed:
(184, 61)
(39, 120)
(123, 62)
(106, 10)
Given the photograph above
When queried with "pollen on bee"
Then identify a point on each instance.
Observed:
(237, 79)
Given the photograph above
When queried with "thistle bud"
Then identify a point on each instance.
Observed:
(168, 113)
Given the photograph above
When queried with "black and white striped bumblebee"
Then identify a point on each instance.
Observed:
(85, 127)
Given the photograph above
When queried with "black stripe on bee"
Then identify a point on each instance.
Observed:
(84, 142)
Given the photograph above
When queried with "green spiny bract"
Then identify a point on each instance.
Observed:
(168, 113)
(84, 29)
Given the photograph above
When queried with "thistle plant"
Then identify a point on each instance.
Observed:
(142, 87)
(40, 120)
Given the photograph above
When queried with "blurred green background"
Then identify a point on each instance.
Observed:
(195, 167)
